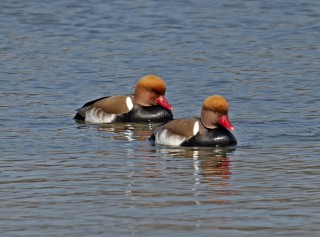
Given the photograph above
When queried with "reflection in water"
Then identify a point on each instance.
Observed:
(206, 161)
(125, 131)
(211, 171)
(128, 131)
(210, 165)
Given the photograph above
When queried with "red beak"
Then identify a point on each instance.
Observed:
(161, 100)
(224, 121)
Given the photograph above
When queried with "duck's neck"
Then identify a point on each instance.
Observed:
(209, 119)
(142, 97)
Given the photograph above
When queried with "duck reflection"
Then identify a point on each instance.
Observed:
(207, 162)
(126, 131)
(211, 172)
(208, 168)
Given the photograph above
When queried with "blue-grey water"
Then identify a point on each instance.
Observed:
(61, 178)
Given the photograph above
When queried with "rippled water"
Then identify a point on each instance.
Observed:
(61, 178)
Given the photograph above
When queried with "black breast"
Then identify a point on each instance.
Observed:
(217, 137)
(156, 114)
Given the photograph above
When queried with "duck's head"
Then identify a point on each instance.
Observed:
(215, 110)
(150, 90)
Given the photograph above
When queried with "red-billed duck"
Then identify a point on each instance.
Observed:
(211, 129)
(147, 104)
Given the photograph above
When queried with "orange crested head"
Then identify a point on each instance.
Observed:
(152, 83)
(216, 103)
(150, 90)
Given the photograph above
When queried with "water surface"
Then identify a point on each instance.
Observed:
(61, 178)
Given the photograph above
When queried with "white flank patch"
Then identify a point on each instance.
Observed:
(129, 103)
(96, 115)
(196, 128)
(164, 137)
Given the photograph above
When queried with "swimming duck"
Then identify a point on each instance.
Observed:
(211, 129)
(147, 104)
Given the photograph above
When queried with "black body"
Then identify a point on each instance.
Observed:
(217, 137)
(155, 113)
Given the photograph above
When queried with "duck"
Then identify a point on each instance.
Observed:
(146, 104)
(212, 129)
